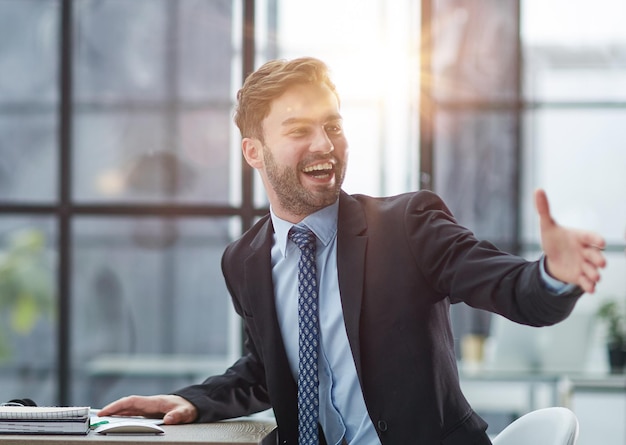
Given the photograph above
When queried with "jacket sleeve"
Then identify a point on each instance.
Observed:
(476, 272)
(240, 391)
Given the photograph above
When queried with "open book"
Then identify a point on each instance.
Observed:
(44, 420)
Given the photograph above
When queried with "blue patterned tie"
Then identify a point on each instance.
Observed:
(308, 339)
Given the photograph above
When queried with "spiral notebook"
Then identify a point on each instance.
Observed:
(44, 420)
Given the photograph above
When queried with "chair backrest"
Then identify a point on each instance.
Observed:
(547, 426)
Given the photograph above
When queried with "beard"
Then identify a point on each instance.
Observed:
(292, 195)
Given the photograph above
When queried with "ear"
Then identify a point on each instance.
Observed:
(253, 152)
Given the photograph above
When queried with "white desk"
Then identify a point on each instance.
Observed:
(228, 432)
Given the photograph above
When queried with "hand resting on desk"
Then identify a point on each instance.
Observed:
(173, 409)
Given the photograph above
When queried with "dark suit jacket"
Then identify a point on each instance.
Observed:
(401, 260)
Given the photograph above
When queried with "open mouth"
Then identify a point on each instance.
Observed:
(319, 170)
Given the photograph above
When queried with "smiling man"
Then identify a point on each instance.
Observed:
(374, 363)
(300, 149)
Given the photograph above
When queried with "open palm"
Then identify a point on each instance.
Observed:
(572, 256)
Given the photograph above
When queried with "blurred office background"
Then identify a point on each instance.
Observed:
(121, 179)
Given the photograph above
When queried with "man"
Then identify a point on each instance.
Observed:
(387, 269)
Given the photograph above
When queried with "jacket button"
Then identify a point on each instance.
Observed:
(382, 425)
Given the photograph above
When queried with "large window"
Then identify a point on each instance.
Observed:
(121, 186)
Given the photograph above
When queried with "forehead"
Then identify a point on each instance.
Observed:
(303, 101)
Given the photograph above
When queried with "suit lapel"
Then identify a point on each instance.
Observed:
(351, 245)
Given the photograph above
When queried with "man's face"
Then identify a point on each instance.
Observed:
(304, 151)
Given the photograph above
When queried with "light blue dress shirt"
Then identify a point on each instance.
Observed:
(342, 408)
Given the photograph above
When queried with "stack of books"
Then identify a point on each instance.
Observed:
(44, 420)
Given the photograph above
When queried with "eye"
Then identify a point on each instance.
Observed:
(333, 128)
(299, 131)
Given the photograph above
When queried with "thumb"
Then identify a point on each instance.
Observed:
(180, 414)
(173, 417)
(543, 208)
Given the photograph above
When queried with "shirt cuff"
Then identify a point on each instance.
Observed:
(555, 286)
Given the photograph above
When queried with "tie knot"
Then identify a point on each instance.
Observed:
(302, 236)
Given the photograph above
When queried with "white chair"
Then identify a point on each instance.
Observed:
(546, 426)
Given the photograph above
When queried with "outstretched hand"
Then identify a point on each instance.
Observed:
(572, 256)
(173, 409)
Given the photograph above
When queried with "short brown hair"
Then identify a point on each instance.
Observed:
(268, 83)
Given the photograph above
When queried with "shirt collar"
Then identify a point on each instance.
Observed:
(322, 223)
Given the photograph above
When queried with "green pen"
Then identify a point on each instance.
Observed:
(97, 424)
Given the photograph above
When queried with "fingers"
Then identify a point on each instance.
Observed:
(148, 406)
(590, 273)
(126, 406)
(586, 284)
(592, 239)
(593, 260)
(594, 257)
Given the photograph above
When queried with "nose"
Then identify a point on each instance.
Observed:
(321, 142)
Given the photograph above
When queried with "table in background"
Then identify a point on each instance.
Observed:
(600, 405)
(597, 399)
(228, 432)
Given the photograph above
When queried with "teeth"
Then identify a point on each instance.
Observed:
(318, 167)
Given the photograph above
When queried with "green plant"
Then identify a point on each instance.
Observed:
(611, 313)
(26, 285)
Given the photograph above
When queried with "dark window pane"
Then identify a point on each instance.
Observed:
(28, 99)
(475, 50)
(475, 171)
(28, 319)
(107, 147)
(205, 50)
(147, 291)
(131, 157)
(121, 49)
(28, 52)
(204, 145)
(28, 157)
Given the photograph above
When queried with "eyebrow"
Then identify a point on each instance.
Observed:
(304, 120)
